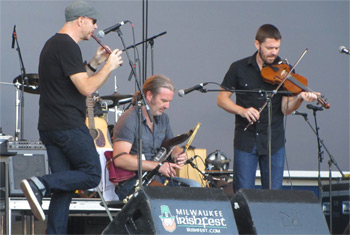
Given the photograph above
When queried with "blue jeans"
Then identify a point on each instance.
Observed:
(75, 164)
(245, 166)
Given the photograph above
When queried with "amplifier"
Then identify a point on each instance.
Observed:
(4, 139)
(30, 160)
(14, 145)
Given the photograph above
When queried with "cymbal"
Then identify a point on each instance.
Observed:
(117, 98)
(31, 81)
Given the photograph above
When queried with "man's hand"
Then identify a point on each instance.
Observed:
(180, 159)
(309, 96)
(251, 114)
(100, 57)
(168, 169)
(179, 156)
(115, 59)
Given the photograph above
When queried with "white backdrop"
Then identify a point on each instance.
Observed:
(203, 38)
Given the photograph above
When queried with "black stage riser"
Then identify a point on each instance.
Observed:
(340, 206)
(176, 210)
(260, 211)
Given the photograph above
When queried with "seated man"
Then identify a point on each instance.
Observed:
(159, 92)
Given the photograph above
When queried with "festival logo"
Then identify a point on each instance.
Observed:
(193, 220)
(168, 221)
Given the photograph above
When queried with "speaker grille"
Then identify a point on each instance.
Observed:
(25, 165)
(278, 212)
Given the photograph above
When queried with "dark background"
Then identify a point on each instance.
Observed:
(203, 38)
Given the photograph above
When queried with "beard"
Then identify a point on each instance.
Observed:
(266, 59)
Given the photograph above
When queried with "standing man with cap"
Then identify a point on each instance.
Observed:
(65, 81)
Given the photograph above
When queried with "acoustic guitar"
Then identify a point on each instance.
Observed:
(98, 127)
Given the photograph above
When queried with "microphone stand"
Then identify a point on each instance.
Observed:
(151, 43)
(139, 108)
(320, 157)
(144, 37)
(148, 39)
(204, 176)
(268, 95)
(133, 72)
(331, 161)
(24, 82)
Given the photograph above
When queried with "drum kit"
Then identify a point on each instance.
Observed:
(117, 101)
(23, 83)
(29, 83)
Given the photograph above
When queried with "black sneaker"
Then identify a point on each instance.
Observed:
(34, 197)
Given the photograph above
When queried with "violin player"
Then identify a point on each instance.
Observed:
(250, 144)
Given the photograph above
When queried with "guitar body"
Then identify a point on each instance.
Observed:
(99, 133)
(98, 127)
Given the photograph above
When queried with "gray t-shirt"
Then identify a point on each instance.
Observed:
(126, 129)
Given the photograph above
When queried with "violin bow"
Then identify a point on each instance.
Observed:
(279, 86)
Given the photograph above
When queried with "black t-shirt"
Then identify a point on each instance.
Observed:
(62, 106)
(245, 75)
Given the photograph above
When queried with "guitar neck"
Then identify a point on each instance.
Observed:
(90, 111)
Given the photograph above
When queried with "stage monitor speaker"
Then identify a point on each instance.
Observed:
(25, 164)
(340, 206)
(177, 210)
(2, 181)
(259, 211)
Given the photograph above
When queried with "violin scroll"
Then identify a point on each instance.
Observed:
(322, 101)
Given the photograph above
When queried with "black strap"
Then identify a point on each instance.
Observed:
(118, 155)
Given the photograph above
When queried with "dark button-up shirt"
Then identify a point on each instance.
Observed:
(244, 75)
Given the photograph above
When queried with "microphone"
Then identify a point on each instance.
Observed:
(191, 159)
(14, 36)
(300, 113)
(314, 108)
(343, 49)
(102, 33)
(183, 92)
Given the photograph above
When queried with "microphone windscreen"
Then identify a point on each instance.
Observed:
(181, 93)
(101, 34)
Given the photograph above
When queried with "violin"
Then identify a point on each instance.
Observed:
(295, 83)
